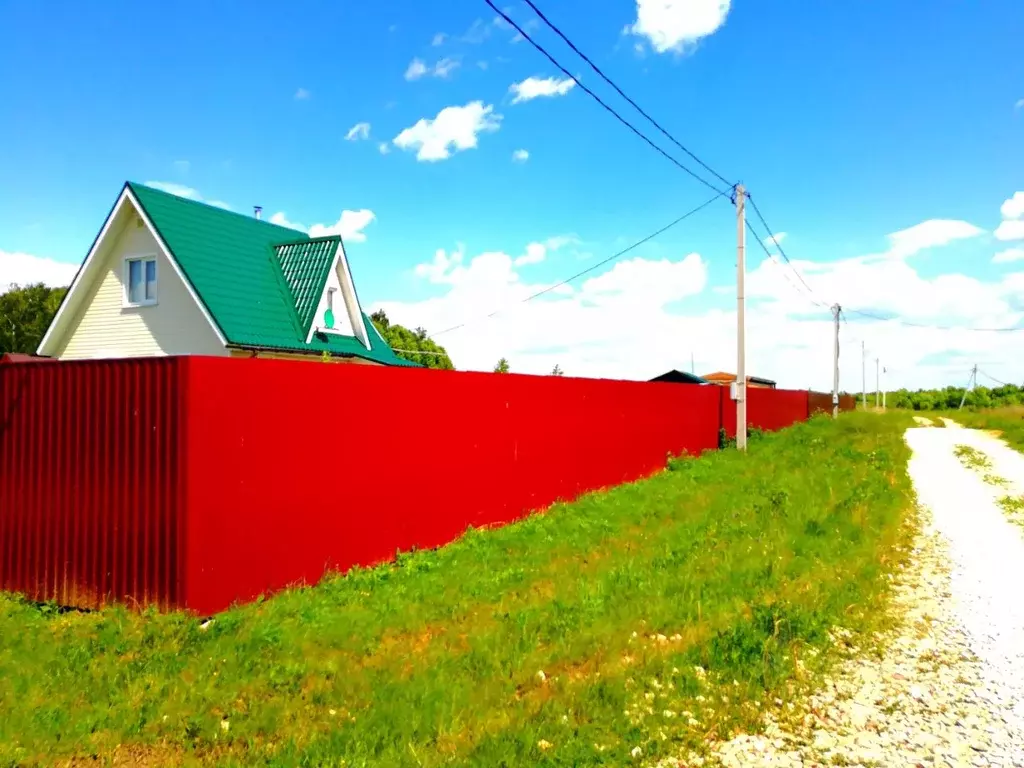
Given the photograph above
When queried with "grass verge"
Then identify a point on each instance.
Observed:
(629, 625)
(1008, 423)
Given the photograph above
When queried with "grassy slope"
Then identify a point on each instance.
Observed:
(742, 563)
(1008, 421)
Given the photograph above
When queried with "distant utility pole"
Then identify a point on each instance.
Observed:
(884, 371)
(863, 378)
(836, 309)
(973, 378)
(741, 322)
(691, 364)
(877, 388)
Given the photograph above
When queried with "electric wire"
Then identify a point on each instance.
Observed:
(599, 100)
(622, 93)
(993, 378)
(591, 268)
(771, 235)
(910, 324)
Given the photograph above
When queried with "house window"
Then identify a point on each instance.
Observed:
(140, 281)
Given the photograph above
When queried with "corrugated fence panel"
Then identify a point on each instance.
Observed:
(90, 495)
(819, 402)
(767, 409)
(296, 468)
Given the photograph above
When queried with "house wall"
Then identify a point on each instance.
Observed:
(103, 327)
(342, 308)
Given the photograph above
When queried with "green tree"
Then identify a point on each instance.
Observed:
(502, 366)
(25, 314)
(556, 371)
(412, 345)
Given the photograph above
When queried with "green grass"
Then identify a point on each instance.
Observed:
(1008, 422)
(972, 458)
(661, 613)
(1013, 508)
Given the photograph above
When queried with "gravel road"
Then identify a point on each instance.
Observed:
(949, 688)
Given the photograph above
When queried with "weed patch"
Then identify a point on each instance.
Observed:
(641, 620)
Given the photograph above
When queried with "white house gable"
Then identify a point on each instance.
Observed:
(130, 302)
(339, 296)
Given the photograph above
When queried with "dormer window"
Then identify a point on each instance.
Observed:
(140, 281)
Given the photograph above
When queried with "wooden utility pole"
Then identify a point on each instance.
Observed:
(836, 309)
(863, 377)
(741, 323)
(877, 388)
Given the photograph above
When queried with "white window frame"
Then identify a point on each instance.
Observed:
(143, 258)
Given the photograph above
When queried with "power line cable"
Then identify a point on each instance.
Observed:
(910, 324)
(600, 101)
(993, 378)
(785, 256)
(621, 93)
(591, 268)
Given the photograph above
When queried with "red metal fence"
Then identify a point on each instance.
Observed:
(91, 475)
(198, 482)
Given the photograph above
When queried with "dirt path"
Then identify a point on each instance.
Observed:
(948, 689)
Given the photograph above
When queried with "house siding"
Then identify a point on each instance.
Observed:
(103, 327)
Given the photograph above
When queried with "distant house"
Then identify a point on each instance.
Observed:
(171, 276)
(679, 377)
(725, 379)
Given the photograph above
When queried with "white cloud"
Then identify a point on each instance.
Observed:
(281, 220)
(775, 239)
(1014, 207)
(527, 27)
(25, 269)
(439, 39)
(1010, 229)
(1010, 254)
(175, 189)
(535, 253)
(415, 70)
(454, 128)
(350, 225)
(672, 25)
(520, 156)
(384, 147)
(480, 30)
(358, 131)
(534, 87)
(645, 315)
(444, 67)
(180, 190)
(302, 94)
(929, 234)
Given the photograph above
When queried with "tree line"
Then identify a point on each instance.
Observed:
(949, 398)
(27, 310)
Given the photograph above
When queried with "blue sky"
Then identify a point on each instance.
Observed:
(848, 122)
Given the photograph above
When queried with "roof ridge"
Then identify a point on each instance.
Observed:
(321, 239)
(228, 211)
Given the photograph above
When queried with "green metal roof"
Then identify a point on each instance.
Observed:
(260, 282)
(305, 265)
